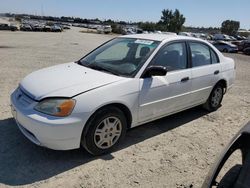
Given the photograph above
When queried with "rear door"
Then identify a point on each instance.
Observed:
(206, 70)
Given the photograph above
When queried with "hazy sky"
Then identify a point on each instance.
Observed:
(197, 13)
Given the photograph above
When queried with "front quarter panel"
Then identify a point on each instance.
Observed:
(124, 92)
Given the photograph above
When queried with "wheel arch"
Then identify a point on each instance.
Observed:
(122, 107)
(222, 82)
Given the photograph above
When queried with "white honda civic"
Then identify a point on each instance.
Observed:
(125, 82)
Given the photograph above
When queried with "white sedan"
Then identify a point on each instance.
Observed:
(125, 82)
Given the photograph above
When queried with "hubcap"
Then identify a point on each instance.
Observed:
(108, 132)
(216, 97)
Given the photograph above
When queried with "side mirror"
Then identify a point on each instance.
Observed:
(154, 71)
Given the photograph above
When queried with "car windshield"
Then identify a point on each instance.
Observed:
(120, 56)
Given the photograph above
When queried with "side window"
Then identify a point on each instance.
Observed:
(172, 56)
(214, 57)
(200, 54)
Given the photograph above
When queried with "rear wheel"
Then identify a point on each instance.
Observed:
(215, 98)
(104, 131)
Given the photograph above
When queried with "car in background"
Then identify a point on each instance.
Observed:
(124, 83)
(238, 176)
(226, 47)
(25, 27)
(46, 28)
(221, 37)
(65, 27)
(56, 28)
(246, 51)
(8, 27)
(232, 38)
(37, 27)
(244, 46)
(104, 29)
(237, 43)
(238, 37)
(13, 27)
(4, 27)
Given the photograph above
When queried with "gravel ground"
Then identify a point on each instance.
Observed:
(175, 151)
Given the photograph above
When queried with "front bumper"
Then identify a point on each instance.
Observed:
(44, 130)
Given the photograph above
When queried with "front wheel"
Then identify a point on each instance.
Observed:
(215, 98)
(104, 131)
(230, 178)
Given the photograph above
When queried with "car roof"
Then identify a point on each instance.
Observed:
(159, 37)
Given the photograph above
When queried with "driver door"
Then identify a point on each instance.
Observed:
(163, 95)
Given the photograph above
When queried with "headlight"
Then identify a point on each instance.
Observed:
(56, 107)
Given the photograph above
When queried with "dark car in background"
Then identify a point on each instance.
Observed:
(244, 46)
(13, 28)
(8, 27)
(238, 37)
(225, 46)
(238, 176)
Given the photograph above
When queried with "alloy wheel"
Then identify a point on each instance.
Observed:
(107, 133)
(216, 97)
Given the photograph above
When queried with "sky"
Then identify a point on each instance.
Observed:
(198, 13)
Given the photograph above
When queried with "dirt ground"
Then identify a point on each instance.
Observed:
(175, 151)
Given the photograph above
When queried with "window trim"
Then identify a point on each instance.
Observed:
(216, 56)
(210, 49)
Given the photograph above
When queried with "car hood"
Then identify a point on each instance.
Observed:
(65, 80)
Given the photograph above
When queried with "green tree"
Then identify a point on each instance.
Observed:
(147, 26)
(172, 21)
(230, 27)
(116, 28)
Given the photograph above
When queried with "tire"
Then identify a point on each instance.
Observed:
(230, 178)
(215, 98)
(246, 51)
(243, 179)
(225, 50)
(104, 131)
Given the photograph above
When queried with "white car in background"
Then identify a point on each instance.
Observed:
(104, 29)
(124, 83)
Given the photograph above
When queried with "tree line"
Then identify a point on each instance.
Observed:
(171, 21)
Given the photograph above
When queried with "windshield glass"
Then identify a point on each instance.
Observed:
(120, 56)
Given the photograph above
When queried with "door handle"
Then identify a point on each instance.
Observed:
(185, 79)
(216, 72)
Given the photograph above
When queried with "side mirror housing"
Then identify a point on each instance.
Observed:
(154, 71)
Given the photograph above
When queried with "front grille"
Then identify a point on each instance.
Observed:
(23, 98)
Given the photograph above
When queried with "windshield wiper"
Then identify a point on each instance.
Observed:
(96, 67)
